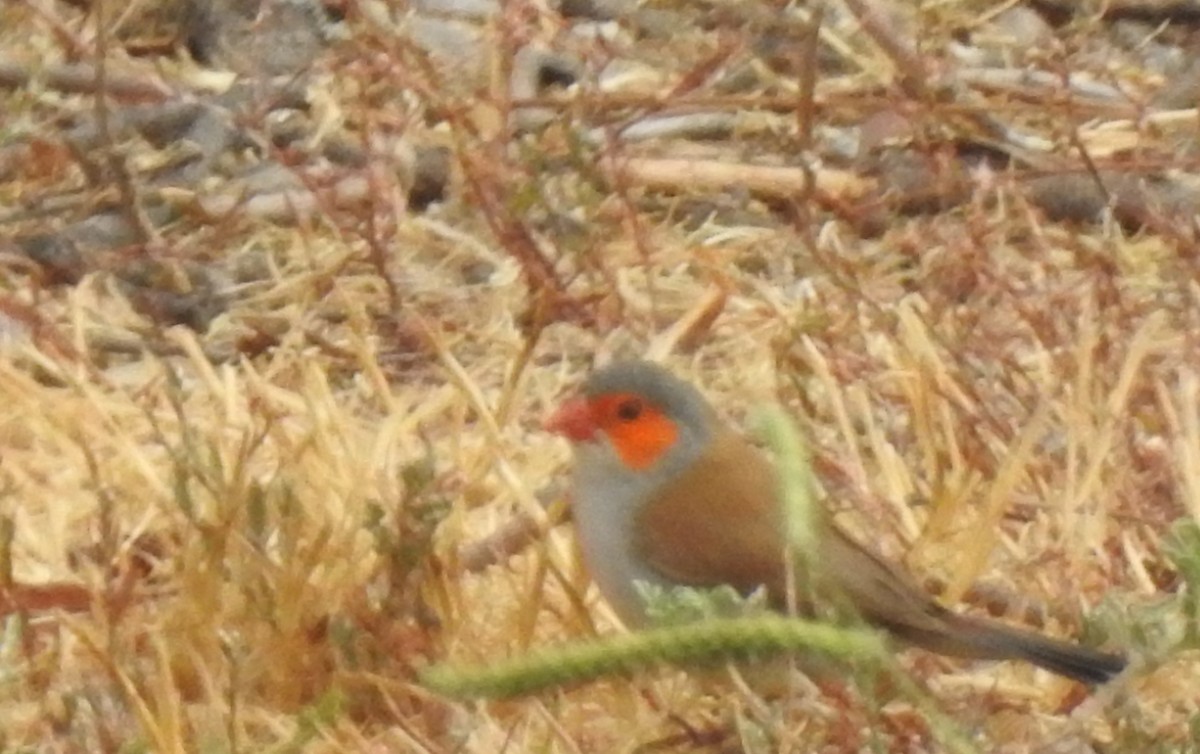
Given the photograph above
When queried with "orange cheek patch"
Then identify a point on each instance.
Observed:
(642, 441)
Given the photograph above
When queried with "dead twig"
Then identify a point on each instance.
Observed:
(80, 78)
(710, 175)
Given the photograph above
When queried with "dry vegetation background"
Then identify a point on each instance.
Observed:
(281, 318)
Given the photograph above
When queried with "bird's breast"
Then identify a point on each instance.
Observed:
(607, 498)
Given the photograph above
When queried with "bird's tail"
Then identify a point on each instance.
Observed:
(973, 637)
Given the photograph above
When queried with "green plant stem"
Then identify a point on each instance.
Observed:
(795, 479)
(701, 643)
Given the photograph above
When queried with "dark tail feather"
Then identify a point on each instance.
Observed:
(997, 641)
(1071, 660)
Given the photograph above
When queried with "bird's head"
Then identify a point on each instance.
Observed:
(638, 412)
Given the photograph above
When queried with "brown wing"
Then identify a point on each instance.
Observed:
(724, 525)
(722, 519)
(877, 590)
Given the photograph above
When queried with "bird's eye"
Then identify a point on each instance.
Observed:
(629, 410)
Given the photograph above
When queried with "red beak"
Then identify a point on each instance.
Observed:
(573, 420)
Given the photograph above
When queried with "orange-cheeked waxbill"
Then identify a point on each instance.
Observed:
(666, 493)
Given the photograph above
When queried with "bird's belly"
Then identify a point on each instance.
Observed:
(606, 538)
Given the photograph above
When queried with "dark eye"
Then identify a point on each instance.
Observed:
(629, 410)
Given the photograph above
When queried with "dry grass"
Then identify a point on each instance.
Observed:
(259, 553)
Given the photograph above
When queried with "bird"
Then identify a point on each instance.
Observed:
(666, 493)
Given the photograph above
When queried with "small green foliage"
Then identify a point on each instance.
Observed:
(677, 606)
(421, 510)
(322, 713)
(407, 544)
(1152, 627)
(1182, 548)
(1157, 629)
(403, 535)
(257, 517)
(418, 474)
